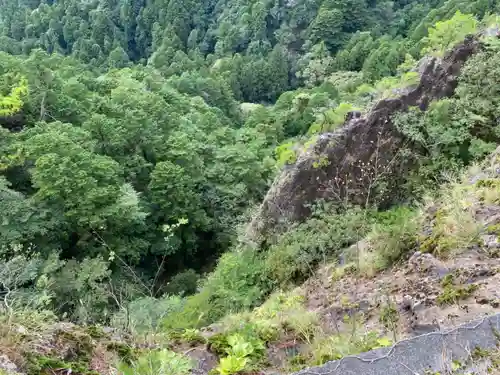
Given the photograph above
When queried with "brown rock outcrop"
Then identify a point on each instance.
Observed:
(349, 164)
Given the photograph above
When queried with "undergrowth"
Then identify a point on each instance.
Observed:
(241, 344)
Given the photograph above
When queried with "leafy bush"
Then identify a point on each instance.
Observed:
(238, 283)
(239, 350)
(446, 137)
(158, 362)
(244, 278)
(446, 34)
(243, 330)
(297, 251)
(197, 311)
(285, 153)
(391, 86)
(75, 289)
(333, 118)
(184, 283)
(13, 102)
(453, 294)
(231, 365)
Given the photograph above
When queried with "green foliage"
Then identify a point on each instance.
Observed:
(285, 153)
(295, 254)
(393, 236)
(239, 348)
(12, 103)
(231, 365)
(333, 118)
(239, 282)
(239, 354)
(446, 34)
(158, 362)
(330, 348)
(192, 336)
(184, 283)
(447, 130)
(120, 120)
(452, 294)
(145, 314)
(244, 278)
(384, 60)
(391, 86)
(455, 227)
(42, 364)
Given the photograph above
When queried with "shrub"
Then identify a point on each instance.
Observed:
(390, 86)
(244, 278)
(191, 336)
(304, 324)
(444, 134)
(238, 283)
(282, 315)
(334, 118)
(240, 350)
(184, 283)
(197, 311)
(452, 294)
(446, 34)
(77, 290)
(231, 365)
(285, 153)
(297, 252)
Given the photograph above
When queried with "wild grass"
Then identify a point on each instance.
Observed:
(392, 237)
(455, 224)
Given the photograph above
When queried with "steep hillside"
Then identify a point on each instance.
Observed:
(242, 186)
(366, 279)
(449, 274)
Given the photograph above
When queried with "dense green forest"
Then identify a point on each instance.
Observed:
(137, 136)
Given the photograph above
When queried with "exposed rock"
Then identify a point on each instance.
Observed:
(8, 366)
(490, 241)
(360, 152)
(429, 353)
(204, 360)
(427, 264)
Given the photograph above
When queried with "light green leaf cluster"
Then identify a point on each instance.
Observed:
(445, 34)
(13, 102)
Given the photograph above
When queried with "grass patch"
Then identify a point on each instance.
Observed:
(329, 348)
(393, 236)
(163, 362)
(452, 293)
(455, 226)
(284, 317)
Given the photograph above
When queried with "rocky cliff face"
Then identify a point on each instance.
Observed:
(362, 157)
